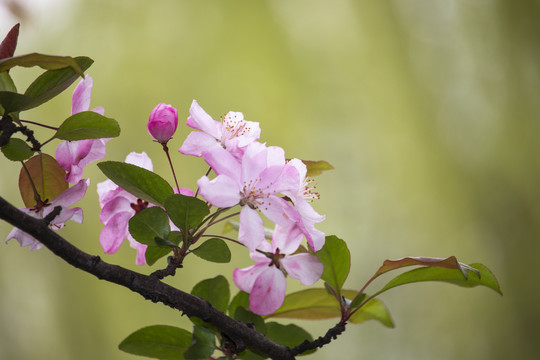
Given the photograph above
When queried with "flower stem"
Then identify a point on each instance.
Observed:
(38, 124)
(166, 149)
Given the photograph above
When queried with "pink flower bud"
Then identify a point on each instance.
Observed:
(162, 122)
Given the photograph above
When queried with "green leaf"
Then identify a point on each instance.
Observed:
(142, 183)
(158, 341)
(12, 102)
(154, 253)
(315, 168)
(449, 263)
(373, 310)
(175, 237)
(318, 304)
(215, 291)
(149, 224)
(203, 343)
(47, 176)
(215, 250)
(246, 316)
(310, 304)
(336, 259)
(357, 300)
(48, 62)
(186, 212)
(481, 276)
(6, 83)
(53, 82)
(17, 150)
(288, 335)
(87, 125)
(240, 300)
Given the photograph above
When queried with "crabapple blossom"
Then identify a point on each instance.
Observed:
(255, 183)
(162, 123)
(300, 198)
(233, 133)
(73, 156)
(117, 207)
(64, 200)
(266, 280)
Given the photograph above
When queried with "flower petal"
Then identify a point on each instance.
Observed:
(24, 239)
(71, 195)
(254, 161)
(245, 278)
(97, 151)
(251, 232)
(69, 153)
(114, 232)
(200, 120)
(223, 163)
(82, 95)
(287, 238)
(279, 211)
(140, 159)
(141, 250)
(268, 291)
(221, 191)
(114, 206)
(197, 142)
(315, 237)
(305, 267)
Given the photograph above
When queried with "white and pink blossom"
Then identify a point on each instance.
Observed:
(73, 156)
(255, 184)
(266, 280)
(117, 207)
(300, 197)
(64, 200)
(233, 134)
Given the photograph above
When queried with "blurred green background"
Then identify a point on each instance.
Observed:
(427, 109)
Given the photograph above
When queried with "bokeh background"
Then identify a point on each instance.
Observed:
(427, 109)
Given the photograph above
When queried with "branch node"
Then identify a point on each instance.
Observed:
(50, 217)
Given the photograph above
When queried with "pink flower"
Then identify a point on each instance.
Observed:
(162, 123)
(233, 134)
(118, 206)
(308, 217)
(255, 184)
(65, 199)
(73, 156)
(265, 281)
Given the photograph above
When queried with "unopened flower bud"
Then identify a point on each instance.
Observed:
(162, 122)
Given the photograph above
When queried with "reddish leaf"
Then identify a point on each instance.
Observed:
(8, 45)
(48, 178)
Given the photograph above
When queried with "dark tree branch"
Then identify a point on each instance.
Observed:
(150, 287)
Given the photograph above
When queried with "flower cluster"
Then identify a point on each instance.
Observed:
(259, 179)
(72, 156)
(248, 174)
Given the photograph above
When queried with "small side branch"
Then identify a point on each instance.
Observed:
(331, 334)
